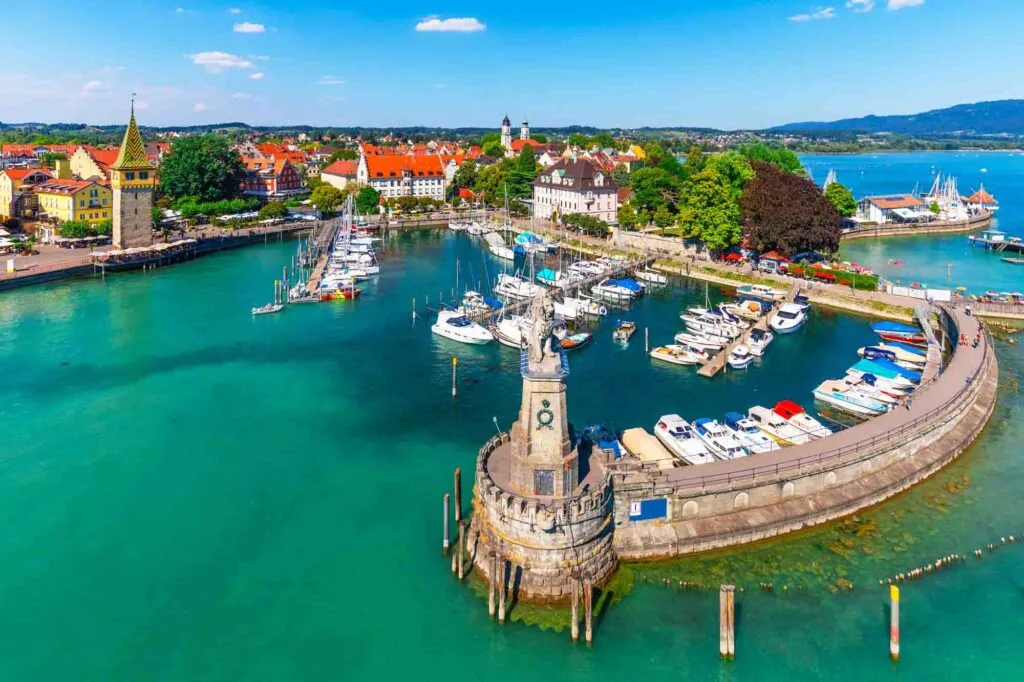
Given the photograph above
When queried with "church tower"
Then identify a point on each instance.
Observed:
(132, 178)
(524, 130)
(506, 133)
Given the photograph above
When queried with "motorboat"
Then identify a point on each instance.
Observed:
(268, 309)
(727, 315)
(903, 333)
(677, 355)
(897, 387)
(761, 291)
(748, 309)
(746, 432)
(475, 302)
(775, 426)
(676, 434)
(651, 276)
(340, 294)
(904, 352)
(557, 278)
(617, 289)
(515, 287)
(876, 353)
(802, 301)
(887, 370)
(718, 440)
(798, 417)
(624, 329)
(602, 437)
(740, 357)
(759, 341)
(575, 341)
(788, 319)
(573, 308)
(845, 399)
(530, 243)
(453, 325)
(861, 385)
(710, 327)
(707, 343)
(511, 330)
(497, 246)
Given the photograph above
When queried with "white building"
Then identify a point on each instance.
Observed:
(892, 208)
(575, 186)
(340, 173)
(403, 175)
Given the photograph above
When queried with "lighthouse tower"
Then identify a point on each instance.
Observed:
(506, 133)
(132, 178)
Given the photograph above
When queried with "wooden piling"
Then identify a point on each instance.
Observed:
(894, 623)
(458, 494)
(493, 558)
(462, 550)
(501, 588)
(446, 543)
(726, 623)
(575, 607)
(588, 604)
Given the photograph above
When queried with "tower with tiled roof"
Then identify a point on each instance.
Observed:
(132, 177)
(524, 130)
(506, 132)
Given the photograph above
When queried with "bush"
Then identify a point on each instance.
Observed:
(190, 207)
(76, 229)
(273, 210)
(586, 224)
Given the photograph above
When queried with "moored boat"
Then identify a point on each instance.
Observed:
(798, 417)
(719, 441)
(453, 325)
(789, 318)
(651, 276)
(895, 331)
(777, 427)
(759, 341)
(740, 357)
(761, 291)
(574, 341)
(676, 434)
(746, 431)
(677, 355)
(845, 399)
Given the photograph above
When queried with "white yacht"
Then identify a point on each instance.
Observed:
(453, 325)
(718, 440)
(676, 434)
(511, 330)
(759, 341)
(740, 357)
(677, 355)
(775, 426)
(708, 343)
(651, 276)
(839, 395)
(514, 287)
(746, 432)
(795, 415)
(788, 319)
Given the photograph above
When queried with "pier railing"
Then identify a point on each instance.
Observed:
(866, 447)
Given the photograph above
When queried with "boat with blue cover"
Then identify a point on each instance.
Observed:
(888, 370)
(845, 398)
(602, 437)
(746, 431)
(719, 441)
(897, 331)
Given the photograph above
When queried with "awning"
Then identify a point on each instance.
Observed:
(905, 213)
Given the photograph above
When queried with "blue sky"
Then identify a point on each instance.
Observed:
(718, 63)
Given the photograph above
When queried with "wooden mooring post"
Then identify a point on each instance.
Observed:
(462, 550)
(588, 608)
(726, 621)
(458, 494)
(446, 542)
(501, 588)
(894, 622)
(493, 559)
(575, 629)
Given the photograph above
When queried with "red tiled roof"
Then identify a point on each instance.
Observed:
(17, 174)
(517, 145)
(981, 197)
(395, 165)
(17, 150)
(896, 201)
(57, 186)
(102, 157)
(774, 255)
(345, 169)
(624, 194)
(466, 193)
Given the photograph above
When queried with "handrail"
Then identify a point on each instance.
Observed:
(907, 431)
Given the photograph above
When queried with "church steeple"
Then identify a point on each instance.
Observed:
(132, 155)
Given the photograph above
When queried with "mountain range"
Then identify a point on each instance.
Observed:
(1001, 117)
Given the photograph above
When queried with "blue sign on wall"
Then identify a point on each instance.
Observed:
(644, 510)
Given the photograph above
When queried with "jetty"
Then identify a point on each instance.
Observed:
(717, 363)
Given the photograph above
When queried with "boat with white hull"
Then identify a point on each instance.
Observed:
(451, 324)
(718, 440)
(746, 431)
(840, 396)
(676, 434)
(789, 318)
(777, 427)
(798, 417)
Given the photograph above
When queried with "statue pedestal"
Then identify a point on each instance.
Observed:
(544, 463)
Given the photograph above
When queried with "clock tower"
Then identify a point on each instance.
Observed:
(132, 179)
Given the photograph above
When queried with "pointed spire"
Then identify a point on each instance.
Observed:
(133, 151)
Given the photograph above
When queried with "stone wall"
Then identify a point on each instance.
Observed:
(672, 247)
(938, 227)
(748, 508)
(543, 540)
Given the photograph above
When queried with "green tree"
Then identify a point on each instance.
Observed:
(539, 137)
(327, 198)
(655, 153)
(578, 140)
(627, 216)
(104, 227)
(652, 188)
(522, 174)
(493, 149)
(780, 157)
(49, 159)
(156, 214)
(842, 199)
(313, 182)
(202, 166)
(489, 138)
(734, 169)
(275, 209)
(620, 174)
(492, 180)
(466, 174)
(709, 211)
(75, 229)
(935, 208)
(343, 155)
(695, 160)
(603, 140)
(662, 217)
(367, 200)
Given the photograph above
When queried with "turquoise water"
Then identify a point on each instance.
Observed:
(938, 261)
(189, 493)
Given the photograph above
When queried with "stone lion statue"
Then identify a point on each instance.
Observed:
(541, 337)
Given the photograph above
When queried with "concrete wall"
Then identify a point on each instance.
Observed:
(897, 230)
(654, 244)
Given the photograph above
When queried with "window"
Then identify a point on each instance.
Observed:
(104, 214)
(143, 175)
(129, 175)
(544, 482)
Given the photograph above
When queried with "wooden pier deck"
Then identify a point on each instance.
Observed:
(717, 363)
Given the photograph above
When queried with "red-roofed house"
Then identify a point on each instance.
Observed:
(271, 179)
(93, 163)
(340, 173)
(395, 175)
(890, 208)
(517, 145)
(17, 191)
(18, 151)
(981, 201)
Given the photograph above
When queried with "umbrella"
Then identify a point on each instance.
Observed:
(961, 288)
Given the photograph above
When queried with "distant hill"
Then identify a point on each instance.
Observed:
(1002, 117)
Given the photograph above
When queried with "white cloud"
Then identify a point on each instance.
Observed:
(179, 10)
(199, 107)
(256, 76)
(241, 95)
(235, 10)
(460, 25)
(259, 57)
(900, 4)
(330, 80)
(215, 62)
(823, 13)
(93, 87)
(249, 27)
(860, 5)
(141, 106)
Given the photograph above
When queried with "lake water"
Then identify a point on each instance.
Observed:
(190, 493)
(941, 261)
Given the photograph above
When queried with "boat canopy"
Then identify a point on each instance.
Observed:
(528, 238)
(885, 369)
(732, 419)
(895, 327)
(787, 409)
(626, 283)
(916, 350)
(547, 275)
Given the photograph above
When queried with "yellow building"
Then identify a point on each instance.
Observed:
(92, 163)
(65, 200)
(638, 152)
(16, 200)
